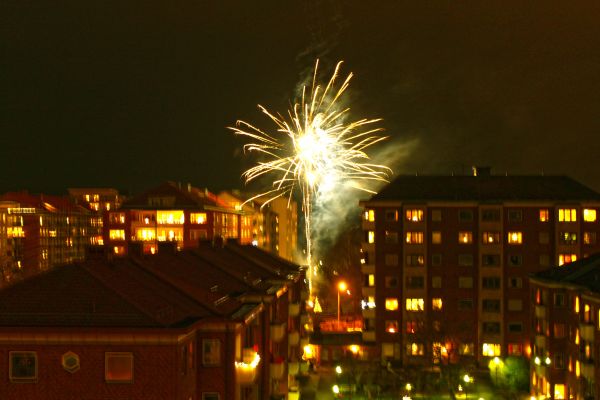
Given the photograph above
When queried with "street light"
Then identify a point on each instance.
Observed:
(341, 288)
(338, 369)
(497, 363)
(467, 379)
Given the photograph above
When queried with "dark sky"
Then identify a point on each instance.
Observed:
(128, 94)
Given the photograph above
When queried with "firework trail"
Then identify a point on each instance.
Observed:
(314, 150)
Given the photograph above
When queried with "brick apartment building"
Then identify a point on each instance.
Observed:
(39, 231)
(210, 323)
(566, 331)
(446, 261)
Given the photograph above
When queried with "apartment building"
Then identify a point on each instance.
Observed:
(446, 261)
(565, 362)
(97, 199)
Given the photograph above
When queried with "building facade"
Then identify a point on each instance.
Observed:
(446, 261)
(565, 362)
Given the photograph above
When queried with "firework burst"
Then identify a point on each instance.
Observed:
(314, 150)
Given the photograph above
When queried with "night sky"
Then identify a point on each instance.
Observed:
(129, 94)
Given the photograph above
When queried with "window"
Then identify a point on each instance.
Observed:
(490, 349)
(436, 282)
(490, 282)
(515, 349)
(544, 260)
(567, 215)
(465, 304)
(391, 281)
(414, 237)
(466, 349)
(490, 215)
(116, 234)
(515, 327)
(391, 304)
(491, 237)
(436, 215)
(515, 282)
(391, 237)
(515, 215)
(414, 215)
(515, 305)
(391, 260)
(414, 326)
(491, 327)
(22, 366)
(391, 326)
(370, 237)
(576, 304)
(544, 237)
(391, 215)
(198, 234)
(415, 304)
(559, 300)
(559, 361)
(415, 260)
(436, 304)
(171, 217)
(145, 234)
(465, 215)
(465, 282)
(559, 331)
(544, 215)
(211, 352)
(465, 260)
(198, 218)
(415, 282)
(589, 215)
(369, 280)
(118, 367)
(589, 237)
(415, 349)
(515, 237)
(116, 218)
(436, 260)
(436, 237)
(491, 305)
(490, 260)
(210, 396)
(566, 258)
(465, 237)
(370, 215)
(567, 238)
(515, 260)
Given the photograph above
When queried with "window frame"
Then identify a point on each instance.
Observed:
(22, 379)
(118, 354)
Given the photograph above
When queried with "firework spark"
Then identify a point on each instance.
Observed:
(314, 150)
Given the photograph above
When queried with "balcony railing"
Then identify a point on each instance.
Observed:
(278, 332)
(294, 309)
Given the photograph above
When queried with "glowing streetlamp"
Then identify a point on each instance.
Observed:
(467, 380)
(338, 369)
(497, 363)
(341, 288)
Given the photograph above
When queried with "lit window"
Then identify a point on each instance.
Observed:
(414, 237)
(118, 367)
(491, 237)
(22, 366)
(414, 215)
(198, 218)
(436, 304)
(391, 326)
(589, 215)
(559, 391)
(391, 304)
(515, 349)
(415, 260)
(415, 349)
(544, 215)
(370, 236)
(589, 237)
(15, 232)
(577, 368)
(119, 250)
(566, 258)
(576, 304)
(436, 237)
(515, 237)
(170, 217)
(466, 349)
(491, 350)
(415, 304)
(568, 238)
(116, 234)
(145, 234)
(413, 326)
(567, 214)
(116, 218)
(371, 280)
(465, 237)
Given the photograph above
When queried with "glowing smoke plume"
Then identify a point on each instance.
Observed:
(315, 151)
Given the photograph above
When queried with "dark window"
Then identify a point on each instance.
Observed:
(515, 327)
(436, 260)
(465, 260)
(515, 260)
(465, 215)
(22, 366)
(465, 304)
(490, 215)
(391, 237)
(491, 327)
(391, 281)
(415, 282)
(415, 260)
(490, 260)
(391, 215)
(515, 282)
(559, 300)
(491, 305)
(515, 215)
(490, 282)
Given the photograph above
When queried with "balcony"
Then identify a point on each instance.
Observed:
(368, 313)
(367, 268)
(278, 332)
(293, 368)
(587, 332)
(587, 369)
(294, 309)
(277, 370)
(540, 311)
(294, 338)
(246, 370)
(540, 341)
(368, 336)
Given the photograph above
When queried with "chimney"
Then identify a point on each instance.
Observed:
(481, 171)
